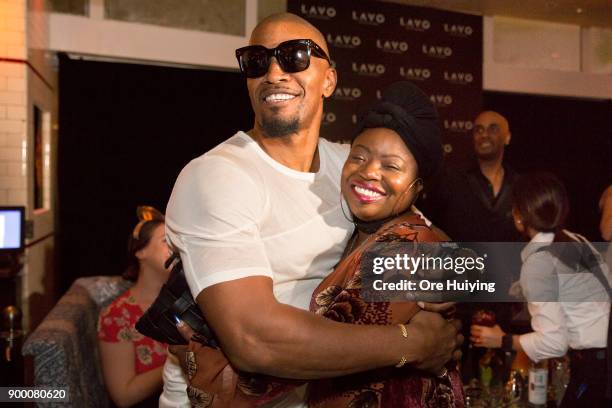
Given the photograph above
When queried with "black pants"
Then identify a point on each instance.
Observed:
(588, 375)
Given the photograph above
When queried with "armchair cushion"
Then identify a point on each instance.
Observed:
(65, 347)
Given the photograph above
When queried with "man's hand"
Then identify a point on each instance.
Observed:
(261, 335)
(436, 339)
(446, 309)
(483, 336)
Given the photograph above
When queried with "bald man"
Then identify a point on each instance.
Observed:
(475, 205)
(491, 136)
(258, 224)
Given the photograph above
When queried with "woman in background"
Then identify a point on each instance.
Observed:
(132, 363)
(569, 310)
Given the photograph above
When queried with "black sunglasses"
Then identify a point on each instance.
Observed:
(292, 56)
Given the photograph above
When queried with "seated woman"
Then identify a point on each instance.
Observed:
(132, 363)
(569, 310)
(398, 145)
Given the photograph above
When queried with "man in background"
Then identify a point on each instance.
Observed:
(475, 205)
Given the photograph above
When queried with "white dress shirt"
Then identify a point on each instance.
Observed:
(561, 325)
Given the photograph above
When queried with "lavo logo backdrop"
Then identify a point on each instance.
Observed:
(373, 44)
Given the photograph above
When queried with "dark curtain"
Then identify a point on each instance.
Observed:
(126, 131)
(569, 137)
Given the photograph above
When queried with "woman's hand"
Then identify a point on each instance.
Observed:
(483, 336)
(124, 386)
(180, 350)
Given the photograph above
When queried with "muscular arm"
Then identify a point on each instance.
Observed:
(259, 334)
(226, 264)
(125, 387)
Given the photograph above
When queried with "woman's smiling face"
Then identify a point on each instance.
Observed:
(378, 178)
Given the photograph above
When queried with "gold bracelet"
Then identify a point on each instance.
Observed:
(403, 360)
(401, 363)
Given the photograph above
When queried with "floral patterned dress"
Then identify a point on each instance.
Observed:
(213, 383)
(338, 297)
(117, 323)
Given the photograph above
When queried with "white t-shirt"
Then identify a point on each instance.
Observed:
(236, 212)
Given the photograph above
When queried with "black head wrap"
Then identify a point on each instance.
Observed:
(405, 109)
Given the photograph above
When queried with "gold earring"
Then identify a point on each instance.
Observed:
(343, 213)
(419, 180)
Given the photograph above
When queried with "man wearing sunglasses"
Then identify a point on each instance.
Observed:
(257, 222)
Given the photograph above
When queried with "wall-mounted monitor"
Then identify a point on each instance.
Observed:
(12, 228)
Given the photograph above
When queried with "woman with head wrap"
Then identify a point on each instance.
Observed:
(398, 145)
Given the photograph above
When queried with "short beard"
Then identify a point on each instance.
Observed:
(490, 156)
(275, 127)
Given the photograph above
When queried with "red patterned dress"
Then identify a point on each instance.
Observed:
(117, 323)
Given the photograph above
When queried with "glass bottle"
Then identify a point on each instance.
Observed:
(538, 384)
(559, 378)
(485, 373)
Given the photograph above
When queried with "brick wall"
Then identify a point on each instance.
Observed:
(13, 102)
(27, 79)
